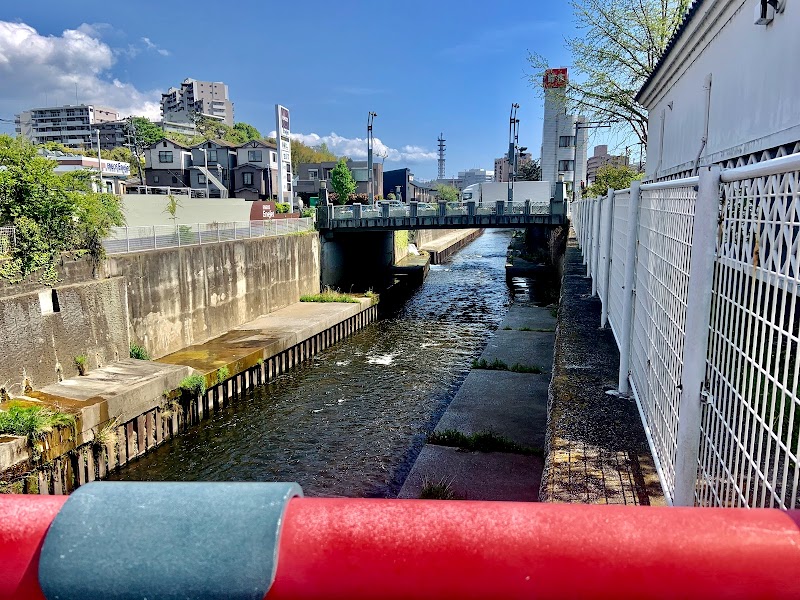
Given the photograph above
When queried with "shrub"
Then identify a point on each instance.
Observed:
(194, 384)
(222, 374)
(139, 352)
(283, 207)
(81, 362)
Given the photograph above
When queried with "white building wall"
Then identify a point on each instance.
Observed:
(555, 125)
(755, 96)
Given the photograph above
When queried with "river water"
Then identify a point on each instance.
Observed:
(351, 421)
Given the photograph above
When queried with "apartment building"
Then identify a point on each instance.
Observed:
(181, 105)
(113, 134)
(471, 176)
(166, 164)
(502, 168)
(70, 125)
(600, 158)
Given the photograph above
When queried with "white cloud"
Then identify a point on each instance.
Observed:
(356, 148)
(151, 46)
(35, 68)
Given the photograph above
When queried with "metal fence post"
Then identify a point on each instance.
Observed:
(155, 239)
(127, 240)
(628, 295)
(598, 211)
(587, 253)
(695, 345)
(605, 256)
(178, 234)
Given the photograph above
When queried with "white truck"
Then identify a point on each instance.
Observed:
(486, 194)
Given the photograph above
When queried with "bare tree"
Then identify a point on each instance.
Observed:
(621, 43)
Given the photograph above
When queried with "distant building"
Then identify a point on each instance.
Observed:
(502, 168)
(600, 158)
(114, 173)
(563, 147)
(212, 166)
(255, 176)
(181, 105)
(113, 134)
(471, 176)
(70, 125)
(410, 189)
(310, 174)
(166, 164)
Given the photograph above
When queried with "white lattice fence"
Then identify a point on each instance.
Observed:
(751, 420)
(619, 242)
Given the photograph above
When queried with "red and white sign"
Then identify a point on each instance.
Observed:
(555, 78)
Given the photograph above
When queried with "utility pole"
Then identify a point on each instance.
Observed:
(370, 119)
(513, 140)
(99, 161)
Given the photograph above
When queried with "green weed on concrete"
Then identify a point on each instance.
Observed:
(194, 384)
(33, 422)
(485, 441)
(329, 295)
(499, 365)
(437, 490)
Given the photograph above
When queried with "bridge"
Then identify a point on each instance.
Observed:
(442, 215)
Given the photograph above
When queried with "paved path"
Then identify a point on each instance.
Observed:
(509, 404)
(597, 448)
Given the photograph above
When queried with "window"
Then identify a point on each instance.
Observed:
(165, 156)
(566, 165)
(254, 155)
(201, 178)
(174, 179)
(247, 178)
(566, 141)
(361, 174)
(155, 178)
(212, 155)
(273, 157)
(326, 173)
(313, 173)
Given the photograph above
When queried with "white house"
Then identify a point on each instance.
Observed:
(725, 91)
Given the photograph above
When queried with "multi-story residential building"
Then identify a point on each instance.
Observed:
(721, 93)
(471, 176)
(563, 144)
(310, 174)
(113, 134)
(502, 168)
(212, 165)
(181, 105)
(167, 164)
(255, 175)
(600, 158)
(70, 125)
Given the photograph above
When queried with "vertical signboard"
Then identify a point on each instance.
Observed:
(284, 154)
(556, 78)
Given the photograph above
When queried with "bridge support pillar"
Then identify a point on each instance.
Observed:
(500, 208)
(471, 208)
(356, 261)
(412, 209)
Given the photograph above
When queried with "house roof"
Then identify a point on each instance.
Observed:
(166, 139)
(258, 144)
(251, 165)
(218, 142)
(687, 18)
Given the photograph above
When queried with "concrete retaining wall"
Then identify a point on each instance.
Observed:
(182, 296)
(45, 328)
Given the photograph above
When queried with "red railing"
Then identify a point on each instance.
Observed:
(392, 549)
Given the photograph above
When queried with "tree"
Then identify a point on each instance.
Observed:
(611, 177)
(52, 213)
(301, 153)
(620, 44)
(530, 171)
(447, 193)
(248, 131)
(342, 182)
(147, 133)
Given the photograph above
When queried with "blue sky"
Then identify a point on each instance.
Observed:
(424, 67)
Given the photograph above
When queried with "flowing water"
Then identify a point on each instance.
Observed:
(351, 421)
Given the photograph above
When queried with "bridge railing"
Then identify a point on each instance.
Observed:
(699, 281)
(154, 237)
(446, 209)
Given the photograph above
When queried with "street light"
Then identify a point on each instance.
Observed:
(513, 138)
(370, 119)
(583, 125)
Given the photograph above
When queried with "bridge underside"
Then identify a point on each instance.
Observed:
(448, 222)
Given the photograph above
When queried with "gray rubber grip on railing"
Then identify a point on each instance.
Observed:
(165, 540)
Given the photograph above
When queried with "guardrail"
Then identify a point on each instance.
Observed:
(257, 540)
(154, 237)
(699, 280)
(440, 209)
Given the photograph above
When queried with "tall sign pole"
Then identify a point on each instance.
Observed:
(282, 128)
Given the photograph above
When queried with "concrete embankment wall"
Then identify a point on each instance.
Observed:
(44, 328)
(441, 244)
(182, 296)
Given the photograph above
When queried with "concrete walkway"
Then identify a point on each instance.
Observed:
(512, 405)
(597, 448)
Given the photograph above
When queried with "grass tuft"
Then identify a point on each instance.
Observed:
(437, 490)
(34, 422)
(194, 384)
(485, 441)
(329, 295)
(81, 363)
(499, 365)
(222, 374)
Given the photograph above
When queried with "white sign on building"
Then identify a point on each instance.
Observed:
(282, 126)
